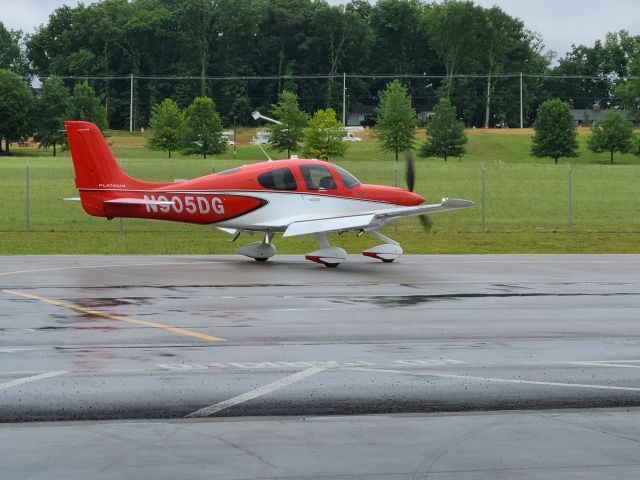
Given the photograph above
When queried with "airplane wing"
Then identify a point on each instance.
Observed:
(329, 225)
(371, 220)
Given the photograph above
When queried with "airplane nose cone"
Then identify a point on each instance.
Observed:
(418, 199)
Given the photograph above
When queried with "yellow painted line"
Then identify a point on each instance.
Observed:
(97, 313)
(108, 265)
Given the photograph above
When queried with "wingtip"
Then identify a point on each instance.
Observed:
(457, 203)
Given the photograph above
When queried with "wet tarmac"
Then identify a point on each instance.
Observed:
(86, 338)
(584, 445)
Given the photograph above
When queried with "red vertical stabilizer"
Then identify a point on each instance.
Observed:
(98, 175)
(93, 162)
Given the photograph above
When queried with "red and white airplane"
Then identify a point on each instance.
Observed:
(295, 197)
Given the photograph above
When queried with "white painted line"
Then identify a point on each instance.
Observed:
(499, 380)
(34, 378)
(543, 261)
(258, 392)
(23, 349)
(621, 364)
(593, 363)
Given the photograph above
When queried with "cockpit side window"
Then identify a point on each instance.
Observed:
(279, 179)
(317, 177)
(348, 179)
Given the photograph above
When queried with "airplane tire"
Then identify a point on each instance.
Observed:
(262, 259)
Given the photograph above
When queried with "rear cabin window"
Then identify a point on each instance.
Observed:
(317, 177)
(280, 179)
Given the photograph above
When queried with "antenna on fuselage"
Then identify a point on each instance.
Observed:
(265, 153)
(257, 115)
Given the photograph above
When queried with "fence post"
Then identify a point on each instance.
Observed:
(483, 196)
(569, 219)
(27, 201)
(131, 105)
(521, 103)
(344, 99)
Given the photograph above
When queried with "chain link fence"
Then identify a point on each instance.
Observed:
(509, 197)
(512, 98)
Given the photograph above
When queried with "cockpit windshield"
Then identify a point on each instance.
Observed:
(348, 179)
(230, 171)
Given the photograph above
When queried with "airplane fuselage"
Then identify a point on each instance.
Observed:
(245, 198)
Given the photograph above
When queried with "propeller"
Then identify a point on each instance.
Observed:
(410, 175)
(410, 171)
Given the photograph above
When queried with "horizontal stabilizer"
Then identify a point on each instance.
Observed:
(72, 199)
(138, 201)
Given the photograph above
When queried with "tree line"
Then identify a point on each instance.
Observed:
(198, 129)
(283, 38)
(43, 116)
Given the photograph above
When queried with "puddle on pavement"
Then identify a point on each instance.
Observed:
(412, 300)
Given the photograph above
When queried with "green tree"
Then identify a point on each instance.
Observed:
(555, 131)
(323, 138)
(167, 123)
(16, 103)
(194, 18)
(627, 91)
(602, 65)
(203, 128)
(611, 133)
(453, 32)
(11, 55)
(445, 134)
(50, 113)
(395, 127)
(83, 104)
(285, 136)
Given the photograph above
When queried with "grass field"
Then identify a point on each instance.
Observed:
(526, 201)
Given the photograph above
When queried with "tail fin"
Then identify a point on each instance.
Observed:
(93, 162)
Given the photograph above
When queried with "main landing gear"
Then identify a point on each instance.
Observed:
(333, 256)
(387, 252)
(260, 251)
(326, 255)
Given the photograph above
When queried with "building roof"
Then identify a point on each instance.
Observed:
(594, 114)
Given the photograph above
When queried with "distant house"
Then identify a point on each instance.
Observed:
(593, 114)
(365, 115)
(361, 115)
(425, 109)
(424, 115)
